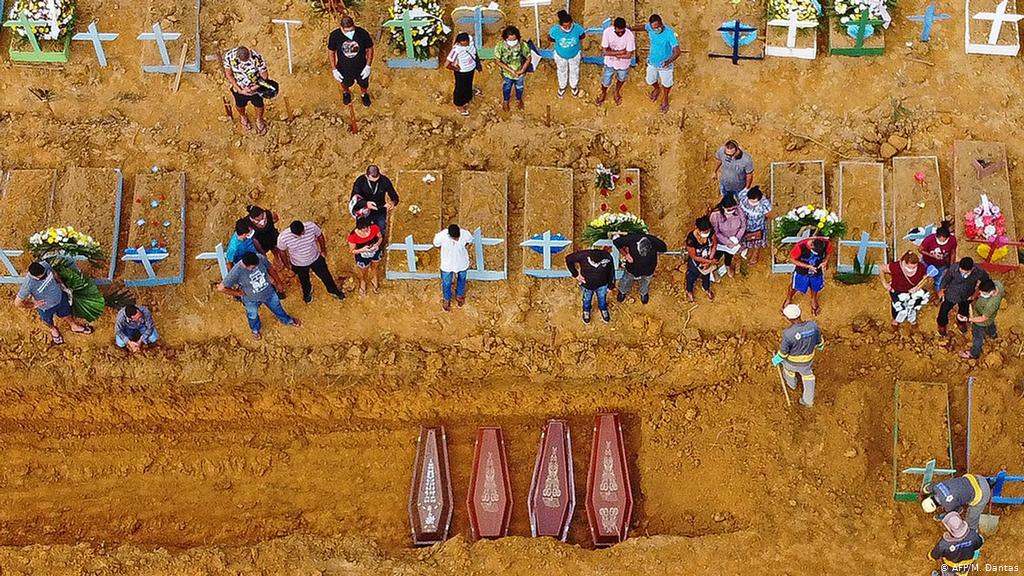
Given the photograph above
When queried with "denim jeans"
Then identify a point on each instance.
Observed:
(252, 312)
(978, 334)
(508, 83)
(626, 284)
(588, 298)
(446, 284)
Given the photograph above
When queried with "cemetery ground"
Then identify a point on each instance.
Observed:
(214, 454)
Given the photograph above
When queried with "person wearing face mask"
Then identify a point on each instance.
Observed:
(730, 223)
(462, 61)
(661, 59)
(373, 195)
(566, 37)
(983, 318)
(809, 258)
(701, 249)
(265, 232)
(956, 291)
(757, 209)
(939, 250)
(350, 51)
(619, 44)
(513, 58)
(241, 242)
(734, 169)
(902, 277)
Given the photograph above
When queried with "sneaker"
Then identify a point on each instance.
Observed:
(561, 92)
(606, 316)
(586, 316)
(620, 297)
(446, 305)
(307, 298)
(365, 99)
(802, 403)
(645, 298)
(339, 295)
(346, 98)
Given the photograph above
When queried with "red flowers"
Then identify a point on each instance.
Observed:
(604, 207)
(623, 208)
(629, 179)
(604, 192)
(628, 195)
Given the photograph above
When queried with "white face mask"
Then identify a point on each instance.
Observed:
(349, 33)
(703, 236)
(512, 43)
(940, 241)
(989, 295)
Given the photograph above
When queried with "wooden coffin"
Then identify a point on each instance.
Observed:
(490, 489)
(552, 491)
(430, 499)
(609, 493)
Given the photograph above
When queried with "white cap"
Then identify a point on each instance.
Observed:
(791, 311)
(928, 505)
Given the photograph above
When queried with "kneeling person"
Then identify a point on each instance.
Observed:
(134, 328)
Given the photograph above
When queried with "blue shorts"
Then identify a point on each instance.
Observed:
(606, 75)
(62, 310)
(801, 282)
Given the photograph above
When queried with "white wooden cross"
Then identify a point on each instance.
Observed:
(219, 255)
(97, 38)
(535, 4)
(997, 18)
(793, 25)
(288, 36)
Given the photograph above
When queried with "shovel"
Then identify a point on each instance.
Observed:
(988, 523)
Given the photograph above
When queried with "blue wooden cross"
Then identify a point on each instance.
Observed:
(219, 255)
(549, 246)
(97, 39)
(598, 31)
(141, 256)
(478, 20)
(161, 38)
(479, 272)
(406, 22)
(862, 245)
(997, 490)
(920, 235)
(736, 35)
(12, 276)
(929, 471)
(928, 19)
(410, 248)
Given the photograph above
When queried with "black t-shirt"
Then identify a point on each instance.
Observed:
(644, 248)
(702, 248)
(351, 52)
(266, 236)
(596, 266)
(374, 191)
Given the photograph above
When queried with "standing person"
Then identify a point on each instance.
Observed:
(43, 291)
(350, 52)
(241, 242)
(661, 59)
(956, 291)
(566, 37)
(365, 243)
(757, 209)
(902, 277)
(454, 263)
(730, 224)
(640, 254)
(134, 328)
(253, 282)
(619, 44)
(810, 259)
(939, 250)
(594, 270)
(513, 58)
(244, 68)
(796, 352)
(374, 193)
(304, 246)
(264, 226)
(734, 169)
(957, 549)
(462, 60)
(983, 320)
(701, 248)
(966, 495)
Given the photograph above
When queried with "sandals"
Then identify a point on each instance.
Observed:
(57, 339)
(664, 108)
(261, 128)
(245, 122)
(85, 330)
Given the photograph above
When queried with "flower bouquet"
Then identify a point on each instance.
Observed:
(848, 12)
(62, 247)
(907, 305)
(605, 178)
(59, 17)
(806, 10)
(605, 225)
(824, 223)
(424, 38)
(986, 224)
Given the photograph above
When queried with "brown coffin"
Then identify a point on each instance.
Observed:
(552, 490)
(430, 499)
(490, 489)
(609, 493)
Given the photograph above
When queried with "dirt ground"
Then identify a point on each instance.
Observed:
(217, 455)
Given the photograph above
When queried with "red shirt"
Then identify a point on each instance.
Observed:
(361, 242)
(937, 255)
(900, 282)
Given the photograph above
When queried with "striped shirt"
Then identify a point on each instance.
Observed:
(302, 250)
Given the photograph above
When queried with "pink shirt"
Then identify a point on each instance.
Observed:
(302, 250)
(613, 41)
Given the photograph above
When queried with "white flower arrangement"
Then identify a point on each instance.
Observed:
(424, 37)
(63, 242)
(59, 16)
(907, 305)
(849, 11)
(610, 223)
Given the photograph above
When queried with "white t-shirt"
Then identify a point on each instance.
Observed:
(454, 256)
(464, 56)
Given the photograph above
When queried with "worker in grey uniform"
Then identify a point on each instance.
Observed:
(796, 352)
(970, 491)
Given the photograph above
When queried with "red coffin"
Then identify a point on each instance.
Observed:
(552, 490)
(609, 493)
(430, 499)
(490, 489)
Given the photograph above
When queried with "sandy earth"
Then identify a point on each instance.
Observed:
(217, 455)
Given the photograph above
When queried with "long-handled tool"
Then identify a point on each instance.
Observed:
(785, 388)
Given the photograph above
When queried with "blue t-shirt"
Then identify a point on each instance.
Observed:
(567, 44)
(662, 44)
(238, 248)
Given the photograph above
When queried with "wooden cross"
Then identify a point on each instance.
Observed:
(219, 255)
(97, 39)
(928, 19)
(862, 246)
(407, 24)
(477, 20)
(535, 4)
(479, 272)
(549, 246)
(161, 38)
(27, 26)
(861, 24)
(410, 248)
(736, 35)
(929, 471)
(288, 37)
(997, 18)
(793, 25)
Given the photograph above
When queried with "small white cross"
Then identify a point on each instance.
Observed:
(794, 25)
(997, 18)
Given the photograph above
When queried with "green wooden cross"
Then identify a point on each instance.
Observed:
(37, 54)
(407, 24)
(858, 49)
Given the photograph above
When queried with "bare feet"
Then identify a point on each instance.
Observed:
(600, 99)
(689, 297)
(261, 128)
(504, 105)
(654, 94)
(519, 103)
(245, 122)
